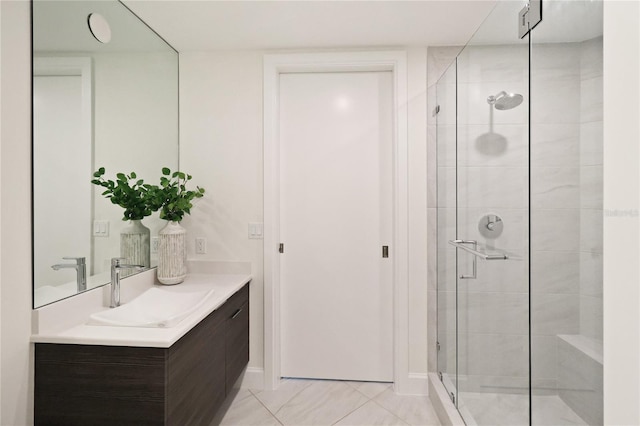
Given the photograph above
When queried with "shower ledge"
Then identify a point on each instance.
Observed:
(589, 346)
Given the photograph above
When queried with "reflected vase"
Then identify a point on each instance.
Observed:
(135, 244)
(172, 254)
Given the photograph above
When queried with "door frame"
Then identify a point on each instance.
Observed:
(273, 66)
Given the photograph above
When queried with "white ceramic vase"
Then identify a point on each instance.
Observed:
(172, 254)
(135, 244)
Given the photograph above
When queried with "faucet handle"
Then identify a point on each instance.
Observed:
(79, 260)
(116, 261)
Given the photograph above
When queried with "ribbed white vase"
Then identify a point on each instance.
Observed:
(172, 254)
(135, 244)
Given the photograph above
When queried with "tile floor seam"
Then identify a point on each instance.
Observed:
(370, 397)
(360, 392)
(391, 412)
(265, 407)
(289, 400)
(352, 411)
(359, 408)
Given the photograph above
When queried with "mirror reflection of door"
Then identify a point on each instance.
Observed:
(62, 166)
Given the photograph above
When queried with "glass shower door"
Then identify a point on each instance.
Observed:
(491, 244)
(446, 216)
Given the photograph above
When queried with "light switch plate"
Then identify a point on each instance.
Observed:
(100, 228)
(256, 230)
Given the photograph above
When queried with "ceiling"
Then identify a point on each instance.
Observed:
(230, 25)
(61, 26)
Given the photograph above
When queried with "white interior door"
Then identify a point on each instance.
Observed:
(336, 132)
(62, 177)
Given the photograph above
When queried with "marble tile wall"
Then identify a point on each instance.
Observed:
(555, 204)
(591, 160)
(566, 210)
(492, 175)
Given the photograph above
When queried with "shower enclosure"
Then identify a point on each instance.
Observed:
(519, 219)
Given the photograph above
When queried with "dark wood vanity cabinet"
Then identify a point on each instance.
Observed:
(115, 385)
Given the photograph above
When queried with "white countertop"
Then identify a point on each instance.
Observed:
(67, 322)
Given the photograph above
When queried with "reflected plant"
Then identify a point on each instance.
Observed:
(128, 192)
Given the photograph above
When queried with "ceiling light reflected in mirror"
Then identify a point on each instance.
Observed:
(99, 27)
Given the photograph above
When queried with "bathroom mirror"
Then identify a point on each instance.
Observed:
(95, 104)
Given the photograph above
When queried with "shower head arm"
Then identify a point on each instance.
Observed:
(492, 99)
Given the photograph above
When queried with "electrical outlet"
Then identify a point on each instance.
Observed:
(154, 244)
(201, 245)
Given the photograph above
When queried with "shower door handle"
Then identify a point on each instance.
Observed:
(474, 264)
(474, 251)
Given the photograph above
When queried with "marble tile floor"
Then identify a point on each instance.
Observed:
(502, 409)
(301, 402)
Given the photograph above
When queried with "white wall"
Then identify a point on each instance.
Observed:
(221, 146)
(417, 150)
(16, 365)
(621, 192)
(0, 213)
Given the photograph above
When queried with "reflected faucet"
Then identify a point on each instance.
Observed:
(81, 271)
(116, 267)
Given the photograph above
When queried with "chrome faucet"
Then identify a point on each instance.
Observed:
(81, 270)
(116, 267)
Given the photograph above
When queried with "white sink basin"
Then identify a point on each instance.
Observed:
(153, 308)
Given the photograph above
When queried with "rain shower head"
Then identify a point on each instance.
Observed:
(504, 100)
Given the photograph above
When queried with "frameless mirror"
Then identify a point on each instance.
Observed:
(105, 94)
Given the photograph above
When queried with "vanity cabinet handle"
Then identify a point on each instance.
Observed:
(237, 313)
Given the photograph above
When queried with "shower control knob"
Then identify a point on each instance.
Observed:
(490, 226)
(491, 222)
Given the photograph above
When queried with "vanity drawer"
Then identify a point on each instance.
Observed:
(237, 346)
(235, 302)
(236, 339)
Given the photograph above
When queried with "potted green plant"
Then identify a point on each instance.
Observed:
(172, 197)
(174, 200)
(130, 193)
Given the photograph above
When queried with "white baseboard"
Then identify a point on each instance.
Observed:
(414, 384)
(253, 378)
